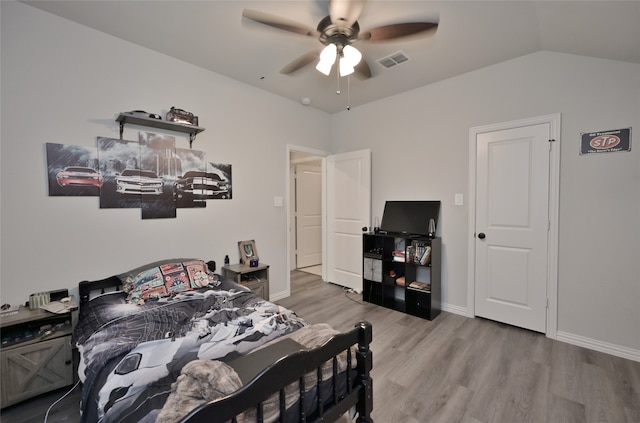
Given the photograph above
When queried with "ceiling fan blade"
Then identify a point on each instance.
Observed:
(393, 31)
(345, 12)
(362, 70)
(300, 62)
(278, 22)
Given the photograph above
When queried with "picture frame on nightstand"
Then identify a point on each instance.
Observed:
(248, 251)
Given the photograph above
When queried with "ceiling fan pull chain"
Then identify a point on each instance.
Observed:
(348, 92)
(337, 82)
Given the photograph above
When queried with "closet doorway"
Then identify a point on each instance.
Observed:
(514, 185)
(306, 175)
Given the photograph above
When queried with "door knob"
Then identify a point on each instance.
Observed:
(481, 235)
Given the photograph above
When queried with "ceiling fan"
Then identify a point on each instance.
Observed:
(337, 32)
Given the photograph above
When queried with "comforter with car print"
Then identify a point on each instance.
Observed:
(131, 354)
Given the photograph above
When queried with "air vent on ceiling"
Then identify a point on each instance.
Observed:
(393, 60)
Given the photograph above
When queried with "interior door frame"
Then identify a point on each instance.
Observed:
(323, 154)
(554, 197)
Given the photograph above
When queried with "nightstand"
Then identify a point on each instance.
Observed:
(254, 278)
(36, 354)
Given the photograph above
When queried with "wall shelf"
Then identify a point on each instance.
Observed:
(124, 118)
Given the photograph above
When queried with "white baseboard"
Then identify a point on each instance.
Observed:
(279, 295)
(594, 344)
(464, 311)
(569, 338)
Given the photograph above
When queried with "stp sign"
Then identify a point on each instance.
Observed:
(606, 141)
(603, 142)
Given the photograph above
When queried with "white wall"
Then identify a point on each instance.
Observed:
(420, 144)
(65, 83)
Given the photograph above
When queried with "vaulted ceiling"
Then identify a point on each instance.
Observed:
(471, 35)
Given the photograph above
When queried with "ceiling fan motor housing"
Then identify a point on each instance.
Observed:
(339, 35)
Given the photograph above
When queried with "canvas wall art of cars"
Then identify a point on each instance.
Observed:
(79, 176)
(73, 170)
(137, 181)
(200, 186)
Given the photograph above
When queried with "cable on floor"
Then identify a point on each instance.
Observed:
(348, 291)
(46, 416)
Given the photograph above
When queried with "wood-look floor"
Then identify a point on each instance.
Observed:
(457, 369)
(452, 369)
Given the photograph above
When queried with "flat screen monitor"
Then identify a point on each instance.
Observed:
(409, 217)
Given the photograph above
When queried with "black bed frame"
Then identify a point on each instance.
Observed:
(292, 368)
(274, 374)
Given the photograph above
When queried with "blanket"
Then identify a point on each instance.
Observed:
(199, 382)
(131, 354)
(202, 381)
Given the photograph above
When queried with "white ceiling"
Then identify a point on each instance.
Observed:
(471, 35)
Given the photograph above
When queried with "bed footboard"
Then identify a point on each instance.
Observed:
(274, 377)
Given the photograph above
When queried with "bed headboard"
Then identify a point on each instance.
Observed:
(112, 283)
(87, 288)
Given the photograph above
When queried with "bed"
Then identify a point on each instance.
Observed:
(172, 341)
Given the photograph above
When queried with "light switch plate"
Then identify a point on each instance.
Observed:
(459, 199)
(278, 201)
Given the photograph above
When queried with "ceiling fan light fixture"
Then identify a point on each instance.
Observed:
(324, 67)
(349, 59)
(327, 59)
(345, 67)
(351, 55)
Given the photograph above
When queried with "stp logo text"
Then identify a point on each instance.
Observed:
(604, 141)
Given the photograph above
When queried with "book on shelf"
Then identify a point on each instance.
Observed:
(419, 252)
(426, 256)
(398, 255)
(411, 253)
(420, 286)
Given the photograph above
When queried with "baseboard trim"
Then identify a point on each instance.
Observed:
(569, 338)
(279, 295)
(594, 344)
(464, 311)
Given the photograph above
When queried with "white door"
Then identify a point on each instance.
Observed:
(348, 211)
(308, 215)
(512, 224)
